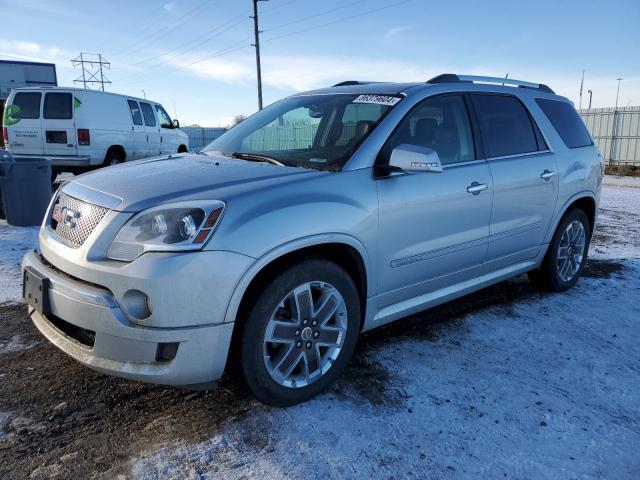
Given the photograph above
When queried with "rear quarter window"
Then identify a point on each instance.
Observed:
(566, 121)
(58, 106)
(25, 105)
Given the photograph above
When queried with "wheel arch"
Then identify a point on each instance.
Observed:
(585, 201)
(343, 250)
(119, 149)
(182, 148)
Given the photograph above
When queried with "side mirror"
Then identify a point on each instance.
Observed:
(176, 123)
(414, 158)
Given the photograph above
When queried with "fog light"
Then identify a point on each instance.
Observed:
(136, 304)
(166, 351)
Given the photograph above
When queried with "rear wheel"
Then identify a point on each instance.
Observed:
(112, 158)
(567, 254)
(300, 333)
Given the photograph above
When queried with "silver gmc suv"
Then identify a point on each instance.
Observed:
(326, 214)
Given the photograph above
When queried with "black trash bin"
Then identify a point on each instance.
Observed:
(25, 187)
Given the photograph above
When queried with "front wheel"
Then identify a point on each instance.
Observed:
(300, 333)
(567, 254)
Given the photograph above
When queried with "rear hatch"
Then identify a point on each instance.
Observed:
(41, 122)
(23, 120)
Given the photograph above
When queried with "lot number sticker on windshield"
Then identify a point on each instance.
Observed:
(378, 99)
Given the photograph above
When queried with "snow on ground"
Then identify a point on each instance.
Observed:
(14, 243)
(545, 386)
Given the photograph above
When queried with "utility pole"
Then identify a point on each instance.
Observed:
(590, 92)
(581, 85)
(257, 33)
(92, 65)
(618, 94)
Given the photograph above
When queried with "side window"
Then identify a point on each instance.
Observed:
(25, 105)
(136, 116)
(165, 121)
(506, 125)
(440, 123)
(57, 106)
(147, 113)
(566, 121)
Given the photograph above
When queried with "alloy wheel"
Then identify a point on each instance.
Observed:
(305, 334)
(571, 251)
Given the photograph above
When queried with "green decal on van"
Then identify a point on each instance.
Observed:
(76, 102)
(9, 111)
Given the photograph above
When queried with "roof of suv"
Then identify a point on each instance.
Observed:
(389, 88)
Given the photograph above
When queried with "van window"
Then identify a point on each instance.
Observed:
(25, 105)
(165, 120)
(147, 113)
(505, 124)
(57, 106)
(136, 116)
(566, 121)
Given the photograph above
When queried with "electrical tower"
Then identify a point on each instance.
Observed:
(92, 65)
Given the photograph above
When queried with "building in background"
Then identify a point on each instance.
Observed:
(16, 74)
(616, 132)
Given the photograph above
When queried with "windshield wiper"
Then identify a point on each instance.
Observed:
(252, 157)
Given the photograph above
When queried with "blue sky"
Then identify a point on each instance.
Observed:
(196, 54)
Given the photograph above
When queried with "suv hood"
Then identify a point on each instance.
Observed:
(134, 186)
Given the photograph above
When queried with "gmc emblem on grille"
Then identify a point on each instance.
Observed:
(66, 216)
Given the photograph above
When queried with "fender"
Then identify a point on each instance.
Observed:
(561, 211)
(281, 250)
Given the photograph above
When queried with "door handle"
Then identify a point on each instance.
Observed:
(476, 188)
(547, 175)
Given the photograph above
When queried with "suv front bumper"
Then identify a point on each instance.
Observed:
(79, 311)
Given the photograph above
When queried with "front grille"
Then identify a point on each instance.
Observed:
(73, 220)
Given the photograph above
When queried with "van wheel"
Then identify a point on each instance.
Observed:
(300, 333)
(567, 254)
(113, 158)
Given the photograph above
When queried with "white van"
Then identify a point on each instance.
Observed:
(79, 129)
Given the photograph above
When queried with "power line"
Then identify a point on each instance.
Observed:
(158, 34)
(302, 19)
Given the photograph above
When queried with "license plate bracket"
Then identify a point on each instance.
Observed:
(35, 290)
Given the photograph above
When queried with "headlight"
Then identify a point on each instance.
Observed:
(167, 228)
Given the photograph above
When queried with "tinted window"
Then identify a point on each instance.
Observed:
(136, 116)
(25, 105)
(505, 125)
(57, 106)
(566, 121)
(165, 120)
(147, 113)
(441, 123)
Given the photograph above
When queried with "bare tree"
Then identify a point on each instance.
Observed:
(236, 120)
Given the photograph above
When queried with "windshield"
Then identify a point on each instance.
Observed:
(311, 131)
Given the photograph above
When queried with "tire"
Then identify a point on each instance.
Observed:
(299, 341)
(112, 158)
(555, 274)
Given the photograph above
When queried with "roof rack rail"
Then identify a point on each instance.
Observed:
(352, 82)
(453, 78)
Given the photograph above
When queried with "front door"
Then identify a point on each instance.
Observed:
(58, 124)
(168, 143)
(433, 227)
(525, 179)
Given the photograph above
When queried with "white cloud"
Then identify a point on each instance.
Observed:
(394, 31)
(169, 6)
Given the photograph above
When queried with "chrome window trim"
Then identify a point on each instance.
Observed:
(462, 164)
(518, 155)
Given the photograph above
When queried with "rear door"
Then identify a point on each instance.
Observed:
(168, 141)
(58, 124)
(22, 118)
(140, 148)
(152, 129)
(524, 175)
